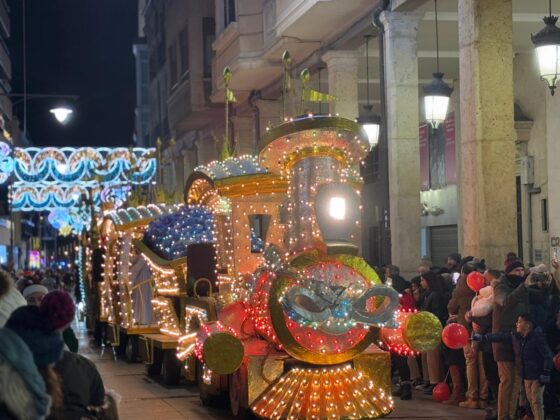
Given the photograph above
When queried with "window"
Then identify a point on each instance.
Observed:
(544, 214)
(229, 12)
(184, 51)
(258, 224)
(172, 53)
(208, 37)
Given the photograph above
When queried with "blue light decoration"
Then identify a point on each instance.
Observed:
(69, 220)
(85, 165)
(6, 165)
(53, 178)
(169, 236)
(46, 197)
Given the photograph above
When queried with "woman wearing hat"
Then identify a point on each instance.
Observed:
(30, 345)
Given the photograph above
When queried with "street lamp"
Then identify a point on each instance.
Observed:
(370, 121)
(547, 46)
(61, 114)
(437, 93)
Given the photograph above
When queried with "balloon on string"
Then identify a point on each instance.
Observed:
(441, 392)
(422, 331)
(557, 362)
(455, 336)
(476, 281)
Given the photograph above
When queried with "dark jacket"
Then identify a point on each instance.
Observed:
(511, 299)
(539, 306)
(533, 357)
(81, 384)
(461, 300)
(399, 283)
(435, 302)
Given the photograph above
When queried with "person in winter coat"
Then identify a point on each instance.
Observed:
(23, 393)
(393, 278)
(454, 262)
(552, 391)
(34, 295)
(458, 306)
(480, 317)
(512, 297)
(10, 297)
(82, 386)
(39, 328)
(533, 359)
(434, 301)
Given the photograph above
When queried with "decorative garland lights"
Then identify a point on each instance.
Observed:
(166, 316)
(87, 165)
(232, 167)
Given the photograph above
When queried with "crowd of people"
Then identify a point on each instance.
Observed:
(514, 323)
(41, 374)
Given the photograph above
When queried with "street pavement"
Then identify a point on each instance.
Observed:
(144, 398)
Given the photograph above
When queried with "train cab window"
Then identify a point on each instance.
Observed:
(258, 225)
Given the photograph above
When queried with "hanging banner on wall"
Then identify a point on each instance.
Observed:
(450, 162)
(424, 158)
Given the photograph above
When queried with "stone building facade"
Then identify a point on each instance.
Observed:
(491, 186)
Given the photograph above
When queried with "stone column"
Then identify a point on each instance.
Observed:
(342, 68)
(552, 153)
(487, 140)
(401, 69)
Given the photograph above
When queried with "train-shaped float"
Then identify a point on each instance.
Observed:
(256, 288)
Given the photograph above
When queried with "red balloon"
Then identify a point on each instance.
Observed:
(476, 281)
(557, 362)
(441, 392)
(455, 336)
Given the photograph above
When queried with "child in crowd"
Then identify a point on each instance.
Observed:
(533, 359)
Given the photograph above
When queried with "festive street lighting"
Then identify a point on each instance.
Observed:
(437, 93)
(547, 46)
(370, 121)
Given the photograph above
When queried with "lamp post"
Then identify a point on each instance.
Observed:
(437, 93)
(370, 121)
(547, 46)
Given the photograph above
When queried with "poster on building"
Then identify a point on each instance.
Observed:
(450, 163)
(424, 158)
(436, 147)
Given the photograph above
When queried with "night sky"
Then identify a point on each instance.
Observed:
(77, 47)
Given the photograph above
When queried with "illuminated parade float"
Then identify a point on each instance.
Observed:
(259, 292)
(253, 287)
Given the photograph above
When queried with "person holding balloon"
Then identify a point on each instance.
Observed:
(459, 305)
(533, 359)
(511, 299)
(480, 317)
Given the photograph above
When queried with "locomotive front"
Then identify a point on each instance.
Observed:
(319, 300)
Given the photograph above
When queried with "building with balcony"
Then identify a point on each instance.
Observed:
(482, 183)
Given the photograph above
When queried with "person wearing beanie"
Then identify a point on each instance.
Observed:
(512, 297)
(10, 297)
(34, 294)
(39, 327)
(63, 307)
(24, 394)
